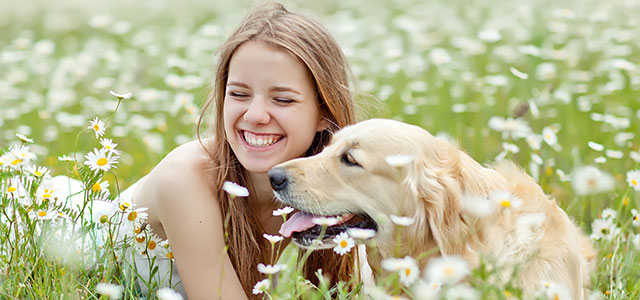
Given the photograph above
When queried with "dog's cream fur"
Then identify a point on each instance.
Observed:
(432, 189)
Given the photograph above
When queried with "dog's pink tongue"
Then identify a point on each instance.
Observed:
(298, 222)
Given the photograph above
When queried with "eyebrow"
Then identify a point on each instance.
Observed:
(273, 89)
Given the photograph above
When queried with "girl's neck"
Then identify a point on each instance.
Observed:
(263, 193)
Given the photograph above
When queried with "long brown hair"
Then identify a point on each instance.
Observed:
(312, 44)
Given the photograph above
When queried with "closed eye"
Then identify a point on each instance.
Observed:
(348, 160)
(238, 94)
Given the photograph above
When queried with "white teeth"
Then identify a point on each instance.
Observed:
(263, 141)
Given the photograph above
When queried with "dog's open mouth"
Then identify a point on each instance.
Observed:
(305, 230)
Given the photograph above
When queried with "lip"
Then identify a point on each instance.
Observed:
(258, 149)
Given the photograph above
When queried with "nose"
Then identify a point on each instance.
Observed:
(257, 112)
(278, 179)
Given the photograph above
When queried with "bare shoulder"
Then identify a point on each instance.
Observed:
(181, 175)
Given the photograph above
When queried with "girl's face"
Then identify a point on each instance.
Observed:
(270, 108)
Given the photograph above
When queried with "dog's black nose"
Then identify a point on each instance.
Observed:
(278, 179)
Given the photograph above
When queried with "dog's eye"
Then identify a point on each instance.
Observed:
(349, 160)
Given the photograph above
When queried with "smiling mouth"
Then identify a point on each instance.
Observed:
(260, 140)
(306, 233)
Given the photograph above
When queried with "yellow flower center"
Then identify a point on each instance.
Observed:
(132, 216)
(124, 205)
(507, 294)
(137, 230)
(151, 245)
(343, 244)
(140, 239)
(505, 203)
(46, 196)
(16, 161)
(42, 213)
(37, 173)
(170, 255)
(407, 271)
(96, 187)
(448, 271)
(634, 182)
(11, 189)
(107, 147)
(96, 127)
(102, 161)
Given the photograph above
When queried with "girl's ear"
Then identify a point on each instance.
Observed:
(322, 124)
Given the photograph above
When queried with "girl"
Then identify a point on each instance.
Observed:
(281, 88)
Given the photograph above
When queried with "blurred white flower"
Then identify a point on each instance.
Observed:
(600, 159)
(462, 292)
(615, 154)
(518, 74)
(235, 189)
(604, 229)
(514, 128)
(633, 178)
(595, 146)
(427, 290)
(478, 207)
(439, 56)
(635, 155)
(447, 269)
(360, 233)
(546, 71)
(270, 269)
(609, 213)
(283, 211)
(273, 238)
(402, 221)
(505, 200)
(489, 35)
(167, 293)
(406, 267)
(120, 95)
(38, 171)
(113, 291)
(24, 138)
(344, 243)
(326, 221)
(66, 158)
(97, 126)
(398, 161)
(100, 159)
(549, 136)
(591, 180)
(556, 291)
(261, 286)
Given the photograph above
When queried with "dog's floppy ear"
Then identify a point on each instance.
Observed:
(433, 185)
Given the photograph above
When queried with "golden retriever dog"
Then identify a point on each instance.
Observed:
(442, 189)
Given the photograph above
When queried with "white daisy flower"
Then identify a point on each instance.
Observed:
(406, 267)
(24, 138)
(609, 213)
(109, 145)
(38, 171)
(590, 180)
(167, 293)
(600, 159)
(603, 229)
(402, 221)
(450, 269)
(283, 211)
(273, 238)
(261, 286)
(515, 128)
(270, 269)
(635, 217)
(615, 154)
(556, 291)
(45, 214)
(235, 189)
(148, 243)
(506, 200)
(326, 221)
(427, 290)
(633, 178)
(100, 187)
(549, 136)
(100, 159)
(534, 141)
(113, 291)
(119, 95)
(102, 211)
(344, 243)
(360, 233)
(45, 192)
(12, 190)
(399, 161)
(20, 155)
(97, 126)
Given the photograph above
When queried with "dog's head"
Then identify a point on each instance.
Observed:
(352, 180)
